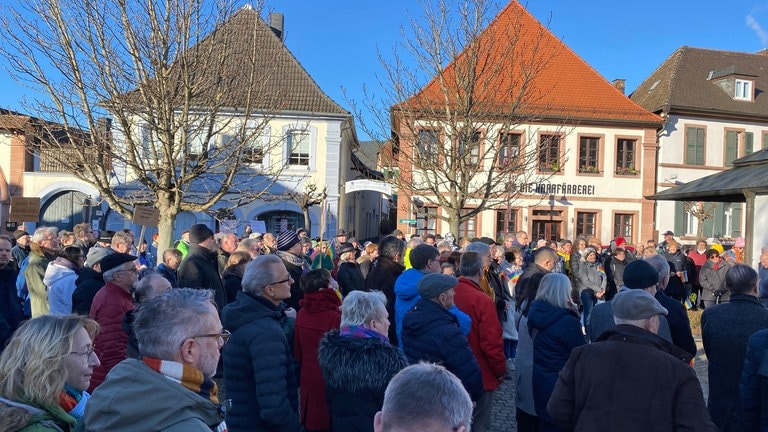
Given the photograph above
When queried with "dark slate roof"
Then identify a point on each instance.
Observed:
(686, 82)
(223, 58)
(748, 173)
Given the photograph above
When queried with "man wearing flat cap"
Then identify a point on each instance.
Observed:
(630, 379)
(200, 267)
(109, 308)
(431, 333)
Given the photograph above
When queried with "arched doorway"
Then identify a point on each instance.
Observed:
(65, 210)
(280, 220)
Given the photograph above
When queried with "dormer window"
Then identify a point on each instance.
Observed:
(743, 90)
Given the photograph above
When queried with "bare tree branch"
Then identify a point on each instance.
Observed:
(188, 100)
(457, 142)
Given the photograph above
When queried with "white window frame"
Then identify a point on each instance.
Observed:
(304, 128)
(743, 90)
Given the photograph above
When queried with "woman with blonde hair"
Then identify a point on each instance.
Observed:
(44, 373)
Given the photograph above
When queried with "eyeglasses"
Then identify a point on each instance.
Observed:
(87, 353)
(288, 279)
(224, 335)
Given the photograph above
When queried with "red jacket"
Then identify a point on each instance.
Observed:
(485, 334)
(319, 313)
(108, 309)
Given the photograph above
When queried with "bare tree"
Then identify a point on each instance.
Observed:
(701, 211)
(308, 198)
(456, 116)
(162, 104)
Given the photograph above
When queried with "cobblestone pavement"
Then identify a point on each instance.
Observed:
(503, 417)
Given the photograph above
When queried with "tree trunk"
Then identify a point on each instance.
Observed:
(307, 222)
(164, 233)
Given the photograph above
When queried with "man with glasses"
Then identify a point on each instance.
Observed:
(43, 248)
(259, 369)
(170, 388)
(109, 308)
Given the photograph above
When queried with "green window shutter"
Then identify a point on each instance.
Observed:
(736, 220)
(679, 217)
(749, 143)
(765, 140)
(709, 223)
(731, 147)
(718, 225)
(691, 137)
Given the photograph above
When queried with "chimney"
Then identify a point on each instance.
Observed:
(277, 24)
(620, 84)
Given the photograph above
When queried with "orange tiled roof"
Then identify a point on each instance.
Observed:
(566, 87)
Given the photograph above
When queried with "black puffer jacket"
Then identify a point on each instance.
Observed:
(200, 269)
(356, 373)
(432, 334)
(88, 283)
(259, 369)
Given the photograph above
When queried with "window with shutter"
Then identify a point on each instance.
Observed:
(694, 146)
(731, 147)
(749, 143)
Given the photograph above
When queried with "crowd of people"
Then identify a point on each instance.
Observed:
(403, 334)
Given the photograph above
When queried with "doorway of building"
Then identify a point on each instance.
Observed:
(547, 224)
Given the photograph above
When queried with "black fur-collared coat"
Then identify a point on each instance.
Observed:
(356, 373)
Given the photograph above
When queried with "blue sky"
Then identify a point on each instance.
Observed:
(337, 40)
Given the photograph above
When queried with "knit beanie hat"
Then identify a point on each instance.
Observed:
(286, 239)
(199, 233)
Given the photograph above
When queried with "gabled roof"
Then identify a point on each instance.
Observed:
(687, 81)
(280, 82)
(565, 88)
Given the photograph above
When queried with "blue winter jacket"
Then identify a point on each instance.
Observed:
(555, 332)
(431, 333)
(406, 297)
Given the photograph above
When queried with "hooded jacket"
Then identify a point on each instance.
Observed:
(356, 373)
(60, 281)
(589, 277)
(555, 332)
(319, 313)
(259, 370)
(34, 273)
(431, 333)
(21, 417)
(137, 398)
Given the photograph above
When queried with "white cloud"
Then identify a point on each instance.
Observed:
(754, 25)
